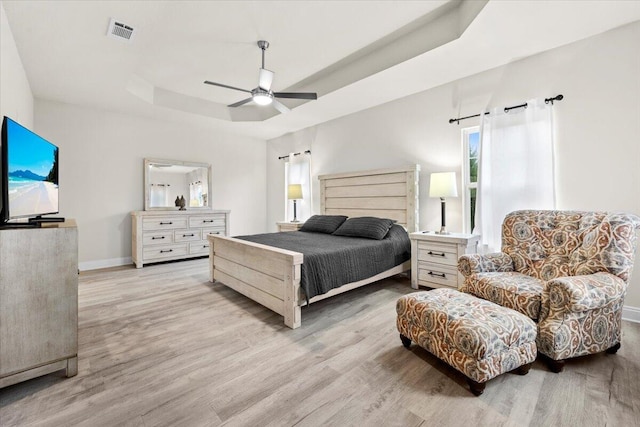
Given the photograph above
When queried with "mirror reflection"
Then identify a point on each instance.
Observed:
(168, 182)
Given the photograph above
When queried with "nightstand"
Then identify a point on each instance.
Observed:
(434, 258)
(289, 226)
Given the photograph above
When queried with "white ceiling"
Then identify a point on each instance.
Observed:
(179, 44)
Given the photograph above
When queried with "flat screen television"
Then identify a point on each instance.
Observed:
(28, 174)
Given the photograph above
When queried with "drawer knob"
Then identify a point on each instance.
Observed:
(436, 253)
(163, 251)
(188, 235)
(157, 238)
(205, 246)
(431, 273)
(207, 220)
(215, 232)
(166, 223)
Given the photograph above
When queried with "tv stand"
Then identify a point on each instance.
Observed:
(42, 219)
(15, 225)
(38, 301)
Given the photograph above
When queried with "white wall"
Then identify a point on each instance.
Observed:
(101, 172)
(598, 128)
(16, 98)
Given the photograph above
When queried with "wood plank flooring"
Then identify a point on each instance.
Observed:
(162, 346)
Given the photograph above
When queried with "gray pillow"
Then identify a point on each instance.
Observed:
(323, 223)
(366, 226)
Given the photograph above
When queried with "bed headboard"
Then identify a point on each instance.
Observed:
(384, 193)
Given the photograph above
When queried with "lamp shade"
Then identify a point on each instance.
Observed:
(294, 192)
(443, 184)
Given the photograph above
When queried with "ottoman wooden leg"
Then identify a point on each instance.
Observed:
(555, 366)
(405, 341)
(614, 349)
(476, 387)
(524, 369)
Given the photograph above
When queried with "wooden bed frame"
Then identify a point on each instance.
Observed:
(271, 276)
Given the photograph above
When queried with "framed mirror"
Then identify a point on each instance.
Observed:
(168, 180)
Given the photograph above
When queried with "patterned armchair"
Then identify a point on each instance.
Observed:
(566, 270)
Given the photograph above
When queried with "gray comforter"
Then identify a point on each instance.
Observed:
(332, 261)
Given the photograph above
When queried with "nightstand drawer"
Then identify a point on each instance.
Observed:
(294, 226)
(438, 275)
(438, 253)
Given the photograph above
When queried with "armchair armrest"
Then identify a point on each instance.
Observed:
(582, 293)
(497, 262)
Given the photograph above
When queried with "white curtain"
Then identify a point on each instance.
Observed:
(516, 167)
(298, 171)
(159, 195)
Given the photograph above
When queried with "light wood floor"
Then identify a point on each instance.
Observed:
(163, 346)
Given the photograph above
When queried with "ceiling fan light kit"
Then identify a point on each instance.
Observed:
(263, 95)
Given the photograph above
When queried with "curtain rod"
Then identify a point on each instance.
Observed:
(506, 109)
(295, 154)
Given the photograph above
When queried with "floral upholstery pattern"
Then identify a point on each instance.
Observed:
(513, 290)
(581, 315)
(570, 272)
(491, 263)
(474, 336)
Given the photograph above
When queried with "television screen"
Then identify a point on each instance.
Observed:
(32, 170)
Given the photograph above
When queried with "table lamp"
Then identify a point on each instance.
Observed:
(294, 192)
(443, 184)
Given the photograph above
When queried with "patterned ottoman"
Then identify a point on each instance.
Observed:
(477, 337)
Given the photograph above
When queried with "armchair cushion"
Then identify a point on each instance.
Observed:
(608, 245)
(489, 263)
(513, 290)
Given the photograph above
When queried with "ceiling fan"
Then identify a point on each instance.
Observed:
(263, 95)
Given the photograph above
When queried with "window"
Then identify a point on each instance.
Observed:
(471, 150)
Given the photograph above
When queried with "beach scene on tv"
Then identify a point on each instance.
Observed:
(33, 174)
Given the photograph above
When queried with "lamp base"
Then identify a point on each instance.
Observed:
(442, 231)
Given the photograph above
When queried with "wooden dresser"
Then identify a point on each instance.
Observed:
(171, 235)
(38, 301)
(434, 258)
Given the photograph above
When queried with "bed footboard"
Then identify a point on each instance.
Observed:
(270, 276)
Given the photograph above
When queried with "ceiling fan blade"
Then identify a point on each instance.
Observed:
(239, 103)
(280, 106)
(227, 86)
(265, 79)
(296, 95)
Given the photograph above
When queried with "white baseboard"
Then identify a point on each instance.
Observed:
(632, 314)
(104, 263)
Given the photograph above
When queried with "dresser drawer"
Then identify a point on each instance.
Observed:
(157, 238)
(438, 253)
(439, 275)
(216, 231)
(201, 247)
(164, 223)
(213, 220)
(156, 253)
(187, 235)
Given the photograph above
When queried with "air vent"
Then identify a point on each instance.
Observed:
(118, 30)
